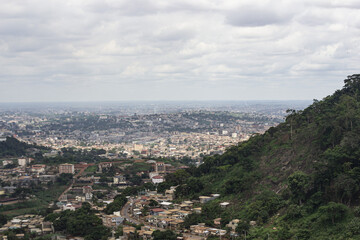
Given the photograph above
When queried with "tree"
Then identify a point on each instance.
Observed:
(345, 188)
(153, 203)
(98, 232)
(116, 205)
(3, 219)
(64, 178)
(161, 235)
(178, 177)
(135, 180)
(333, 211)
(298, 185)
(242, 227)
(82, 222)
(192, 219)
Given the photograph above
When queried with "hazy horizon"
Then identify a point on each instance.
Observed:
(152, 107)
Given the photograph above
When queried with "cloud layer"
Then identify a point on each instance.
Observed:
(176, 50)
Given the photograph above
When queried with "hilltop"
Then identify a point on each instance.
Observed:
(299, 180)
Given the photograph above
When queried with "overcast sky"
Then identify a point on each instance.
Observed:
(109, 50)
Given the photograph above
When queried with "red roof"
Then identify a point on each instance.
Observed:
(158, 177)
(157, 210)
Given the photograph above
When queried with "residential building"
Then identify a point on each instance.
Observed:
(38, 168)
(66, 168)
(157, 179)
(24, 161)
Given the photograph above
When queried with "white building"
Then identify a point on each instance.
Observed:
(7, 162)
(157, 179)
(24, 161)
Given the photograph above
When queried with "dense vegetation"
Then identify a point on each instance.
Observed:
(116, 205)
(161, 235)
(14, 148)
(82, 222)
(71, 155)
(299, 180)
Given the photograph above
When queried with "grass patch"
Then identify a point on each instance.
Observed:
(91, 169)
(34, 206)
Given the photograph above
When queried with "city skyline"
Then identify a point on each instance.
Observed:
(89, 51)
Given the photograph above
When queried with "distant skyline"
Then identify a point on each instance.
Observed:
(151, 50)
(152, 107)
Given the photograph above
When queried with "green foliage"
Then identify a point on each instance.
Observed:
(177, 178)
(134, 190)
(70, 155)
(153, 203)
(135, 180)
(14, 148)
(116, 205)
(242, 227)
(298, 185)
(193, 219)
(191, 188)
(293, 212)
(82, 222)
(353, 228)
(3, 219)
(64, 178)
(119, 231)
(333, 212)
(262, 207)
(10, 166)
(161, 235)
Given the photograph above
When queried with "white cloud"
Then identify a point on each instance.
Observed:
(158, 49)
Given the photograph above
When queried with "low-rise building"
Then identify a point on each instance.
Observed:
(38, 168)
(157, 179)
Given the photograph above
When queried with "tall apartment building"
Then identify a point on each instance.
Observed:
(66, 168)
(24, 161)
(160, 167)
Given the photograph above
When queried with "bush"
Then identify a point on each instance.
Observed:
(333, 212)
(168, 235)
(293, 212)
(353, 228)
(357, 211)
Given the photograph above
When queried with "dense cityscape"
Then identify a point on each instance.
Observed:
(174, 133)
(117, 166)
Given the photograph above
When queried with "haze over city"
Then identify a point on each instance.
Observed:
(55, 51)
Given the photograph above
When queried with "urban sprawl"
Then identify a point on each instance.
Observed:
(115, 167)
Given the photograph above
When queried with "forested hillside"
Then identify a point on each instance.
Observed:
(299, 180)
(14, 148)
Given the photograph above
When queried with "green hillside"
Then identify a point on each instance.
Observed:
(12, 147)
(299, 180)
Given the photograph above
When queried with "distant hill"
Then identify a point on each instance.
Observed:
(299, 180)
(15, 148)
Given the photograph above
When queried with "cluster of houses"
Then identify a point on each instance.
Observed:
(163, 215)
(169, 215)
(27, 174)
(24, 175)
(31, 223)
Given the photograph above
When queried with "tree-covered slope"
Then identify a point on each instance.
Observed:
(15, 148)
(299, 180)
